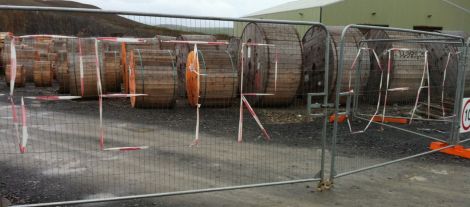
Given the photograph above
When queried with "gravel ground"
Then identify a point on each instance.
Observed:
(64, 162)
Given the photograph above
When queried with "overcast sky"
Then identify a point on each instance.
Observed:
(223, 8)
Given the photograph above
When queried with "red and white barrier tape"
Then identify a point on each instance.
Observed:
(25, 135)
(399, 49)
(242, 95)
(195, 42)
(252, 112)
(275, 69)
(80, 57)
(257, 44)
(15, 122)
(240, 121)
(258, 94)
(45, 35)
(380, 90)
(192, 67)
(122, 95)
(121, 39)
(100, 93)
(444, 80)
(100, 101)
(422, 86)
(13, 64)
(196, 140)
(126, 148)
(52, 98)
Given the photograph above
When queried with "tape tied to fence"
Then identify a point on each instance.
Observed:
(100, 102)
(24, 133)
(195, 69)
(422, 86)
(13, 64)
(379, 95)
(121, 39)
(195, 42)
(122, 95)
(49, 36)
(80, 59)
(253, 114)
(444, 80)
(244, 101)
(15, 122)
(52, 98)
(126, 148)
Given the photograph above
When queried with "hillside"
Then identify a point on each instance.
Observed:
(20, 22)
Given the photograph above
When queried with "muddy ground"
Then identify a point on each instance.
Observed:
(64, 161)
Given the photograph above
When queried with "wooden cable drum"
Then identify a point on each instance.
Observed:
(62, 69)
(166, 45)
(20, 79)
(406, 67)
(112, 74)
(217, 83)
(27, 58)
(452, 70)
(52, 57)
(89, 77)
(58, 45)
(127, 49)
(5, 56)
(153, 72)
(259, 65)
(438, 60)
(463, 34)
(314, 49)
(107, 46)
(43, 49)
(234, 48)
(43, 74)
(182, 51)
(5, 38)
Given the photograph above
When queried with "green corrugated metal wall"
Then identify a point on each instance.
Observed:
(395, 13)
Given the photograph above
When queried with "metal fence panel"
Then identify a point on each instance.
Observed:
(141, 116)
(399, 91)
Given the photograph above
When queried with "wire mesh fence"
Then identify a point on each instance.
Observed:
(123, 105)
(398, 93)
(162, 105)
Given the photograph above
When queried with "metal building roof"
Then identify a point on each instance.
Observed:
(295, 5)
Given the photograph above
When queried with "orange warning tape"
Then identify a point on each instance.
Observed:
(457, 150)
(391, 120)
(341, 118)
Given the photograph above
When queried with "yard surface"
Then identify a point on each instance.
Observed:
(64, 161)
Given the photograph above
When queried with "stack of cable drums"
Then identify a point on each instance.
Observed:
(182, 50)
(259, 72)
(127, 50)
(62, 74)
(211, 78)
(87, 60)
(406, 67)
(20, 78)
(153, 72)
(314, 48)
(443, 68)
(27, 56)
(110, 65)
(43, 74)
(451, 77)
(112, 73)
(234, 48)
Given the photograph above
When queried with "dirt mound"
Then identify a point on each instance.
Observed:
(80, 24)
